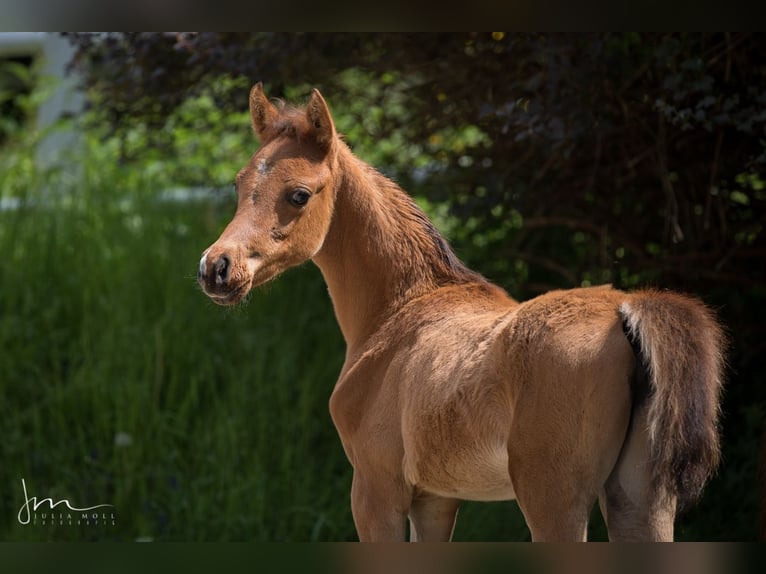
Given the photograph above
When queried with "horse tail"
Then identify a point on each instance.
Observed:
(679, 348)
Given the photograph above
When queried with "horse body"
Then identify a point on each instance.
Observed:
(451, 390)
(495, 399)
(445, 405)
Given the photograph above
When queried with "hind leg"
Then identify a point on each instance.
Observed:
(557, 486)
(555, 519)
(569, 526)
(628, 521)
(631, 510)
(555, 509)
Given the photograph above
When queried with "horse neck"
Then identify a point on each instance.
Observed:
(380, 251)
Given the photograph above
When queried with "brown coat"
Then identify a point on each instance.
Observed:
(452, 390)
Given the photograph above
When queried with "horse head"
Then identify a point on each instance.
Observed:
(285, 199)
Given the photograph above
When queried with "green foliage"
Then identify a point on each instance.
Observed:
(197, 145)
(16, 82)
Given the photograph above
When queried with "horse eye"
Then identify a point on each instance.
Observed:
(299, 197)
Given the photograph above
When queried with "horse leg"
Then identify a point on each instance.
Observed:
(555, 507)
(432, 518)
(628, 521)
(556, 520)
(631, 510)
(379, 508)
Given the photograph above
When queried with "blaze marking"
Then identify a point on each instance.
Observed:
(203, 263)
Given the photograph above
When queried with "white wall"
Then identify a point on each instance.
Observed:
(54, 53)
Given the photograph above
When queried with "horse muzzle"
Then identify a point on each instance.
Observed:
(225, 279)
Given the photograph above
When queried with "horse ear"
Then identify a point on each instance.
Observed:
(320, 120)
(262, 111)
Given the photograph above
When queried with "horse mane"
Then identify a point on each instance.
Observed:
(402, 229)
(425, 235)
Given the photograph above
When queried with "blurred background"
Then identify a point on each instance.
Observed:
(549, 161)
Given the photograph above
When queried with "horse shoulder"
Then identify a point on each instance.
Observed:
(424, 359)
(362, 405)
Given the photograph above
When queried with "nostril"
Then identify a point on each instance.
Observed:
(221, 269)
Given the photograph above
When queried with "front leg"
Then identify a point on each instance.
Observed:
(432, 518)
(379, 503)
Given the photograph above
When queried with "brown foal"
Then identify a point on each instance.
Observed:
(451, 390)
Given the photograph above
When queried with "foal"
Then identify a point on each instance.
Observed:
(451, 390)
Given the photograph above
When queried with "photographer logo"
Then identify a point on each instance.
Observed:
(62, 512)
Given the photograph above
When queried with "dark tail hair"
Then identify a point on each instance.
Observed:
(679, 349)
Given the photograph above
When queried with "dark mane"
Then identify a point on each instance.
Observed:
(447, 256)
(437, 252)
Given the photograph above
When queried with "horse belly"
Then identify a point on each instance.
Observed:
(481, 475)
